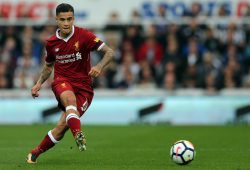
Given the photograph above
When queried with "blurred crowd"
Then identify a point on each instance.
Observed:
(154, 55)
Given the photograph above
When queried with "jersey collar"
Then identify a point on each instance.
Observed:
(68, 37)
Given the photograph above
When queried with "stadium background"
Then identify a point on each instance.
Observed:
(190, 58)
(193, 57)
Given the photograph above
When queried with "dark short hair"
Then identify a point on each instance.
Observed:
(63, 7)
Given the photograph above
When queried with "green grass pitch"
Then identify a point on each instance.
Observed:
(133, 147)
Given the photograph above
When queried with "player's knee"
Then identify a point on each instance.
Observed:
(71, 100)
(71, 109)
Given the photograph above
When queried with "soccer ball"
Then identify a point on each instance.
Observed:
(182, 152)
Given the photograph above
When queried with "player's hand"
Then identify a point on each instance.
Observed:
(95, 71)
(35, 89)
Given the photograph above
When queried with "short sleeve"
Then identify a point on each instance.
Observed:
(49, 57)
(93, 42)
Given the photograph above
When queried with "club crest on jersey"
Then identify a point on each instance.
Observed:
(56, 49)
(63, 85)
(96, 39)
(77, 46)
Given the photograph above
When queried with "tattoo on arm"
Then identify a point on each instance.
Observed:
(107, 58)
(47, 70)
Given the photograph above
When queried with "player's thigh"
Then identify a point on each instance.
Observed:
(64, 93)
(68, 98)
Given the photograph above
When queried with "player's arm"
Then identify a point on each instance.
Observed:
(107, 58)
(46, 72)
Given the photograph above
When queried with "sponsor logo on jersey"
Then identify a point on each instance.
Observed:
(84, 106)
(68, 58)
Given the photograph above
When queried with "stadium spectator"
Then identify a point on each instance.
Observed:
(27, 69)
(162, 18)
(223, 13)
(3, 77)
(127, 72)
(114, 23)
(169, 77)
(173, 55)
(190, 78)
(192, 30)
(162, 13)
(135, 17)
(210, 84)
(9, 51)
(195, 11)
(232, 35)
(127, 48)
(209, 72)
(133, 35)
(127, 81)
(146, 76)
(169, 82)
(27, 36)
(232, 73)
(9, 56)
(174, 30)
(247, 11)
(151, 51)
(156, 42)
(246, 80)
(193, 53)
(211, 42)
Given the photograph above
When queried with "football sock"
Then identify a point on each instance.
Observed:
(48, 142)
(74, 123)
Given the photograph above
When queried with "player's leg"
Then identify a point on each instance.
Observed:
(68, 100)
(49, 141)
(61, 128)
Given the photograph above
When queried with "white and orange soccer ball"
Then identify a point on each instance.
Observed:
(182, 152)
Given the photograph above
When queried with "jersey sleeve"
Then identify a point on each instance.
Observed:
(93, 42)
(49, 57)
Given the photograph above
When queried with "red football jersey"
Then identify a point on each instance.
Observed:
(71, 55)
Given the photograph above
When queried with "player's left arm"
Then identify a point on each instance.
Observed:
(96, 70)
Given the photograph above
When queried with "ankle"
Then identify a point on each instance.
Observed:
(36, 151)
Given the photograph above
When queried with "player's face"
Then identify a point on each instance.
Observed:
(65, 22)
